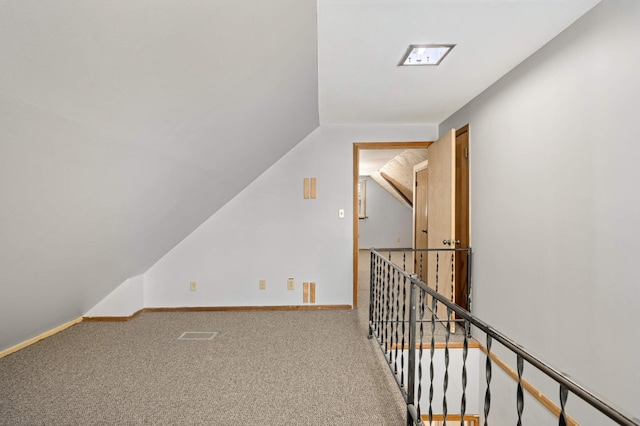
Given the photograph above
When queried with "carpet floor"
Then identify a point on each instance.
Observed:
(262, 368)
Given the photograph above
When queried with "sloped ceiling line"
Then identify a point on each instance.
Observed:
(399, 172)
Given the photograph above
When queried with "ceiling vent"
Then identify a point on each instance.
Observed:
(425, 54)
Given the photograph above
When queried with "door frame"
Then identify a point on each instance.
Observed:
(357, 146)
(463, 215)
(417, 168)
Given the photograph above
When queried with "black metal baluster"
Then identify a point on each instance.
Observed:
(377, 298)
(379, 295)
(383, 296)
(396, 343)
(420, 351)
(387, 311)
(380, 302)
(391, 314)
(372, 293)
(564, 393)
(453, 275)
(445, 383)
(437, 276)
(411, 374)
(463, 400)
(487, 394)
(396, 292)
(520, 393)
(404, 313)
(434, 307)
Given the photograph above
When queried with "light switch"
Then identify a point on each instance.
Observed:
(341, 213)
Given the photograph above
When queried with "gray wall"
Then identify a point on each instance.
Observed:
(123, 127)
(388, 222)
(554, 203)
(269, 231)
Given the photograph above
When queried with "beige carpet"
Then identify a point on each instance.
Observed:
(263, 368)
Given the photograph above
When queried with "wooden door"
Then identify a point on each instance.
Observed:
(441, 218)
(420, 219)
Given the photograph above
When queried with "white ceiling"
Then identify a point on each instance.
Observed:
(360, 43)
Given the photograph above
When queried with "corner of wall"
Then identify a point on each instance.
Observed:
(124, 301)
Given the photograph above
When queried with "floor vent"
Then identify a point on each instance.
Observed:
(198, 335)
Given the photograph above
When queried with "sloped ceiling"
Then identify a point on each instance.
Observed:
(384, 184)
(399, 171)
(392, 169)
(372, 160)
(125, 124)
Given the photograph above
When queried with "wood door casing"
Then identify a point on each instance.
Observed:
(420, 219)
(462, 214)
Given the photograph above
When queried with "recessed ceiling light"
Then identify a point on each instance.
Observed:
(426, 54)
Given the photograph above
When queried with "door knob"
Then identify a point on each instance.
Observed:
(424, 231)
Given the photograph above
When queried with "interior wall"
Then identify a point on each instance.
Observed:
(554, 207)
(388, 222)
(269, 231)
(124, 301)
(124, 126)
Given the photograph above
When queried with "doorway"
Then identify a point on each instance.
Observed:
(357, 147)
(461, 197)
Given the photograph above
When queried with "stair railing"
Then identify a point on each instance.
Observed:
(398, 325)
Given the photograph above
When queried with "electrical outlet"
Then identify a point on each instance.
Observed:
(192, 286)
(263, 284)
(291, 284)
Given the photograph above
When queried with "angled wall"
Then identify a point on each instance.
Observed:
(125, 125)
(554, 203)
(269, 231)
(124, 301)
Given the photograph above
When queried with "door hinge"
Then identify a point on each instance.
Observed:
(466, 152)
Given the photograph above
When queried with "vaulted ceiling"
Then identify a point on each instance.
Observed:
(124, 124)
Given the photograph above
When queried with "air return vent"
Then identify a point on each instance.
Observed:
(198, 335)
